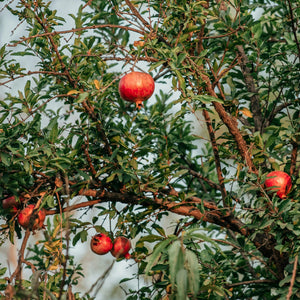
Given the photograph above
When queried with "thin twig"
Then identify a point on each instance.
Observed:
(216, 154)
(73, 30)
(255, 281)
(290, 293)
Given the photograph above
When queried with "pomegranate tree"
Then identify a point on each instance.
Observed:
(136, 87)
(101, 244)
(26, 214)
(279, 182)
(121, 247)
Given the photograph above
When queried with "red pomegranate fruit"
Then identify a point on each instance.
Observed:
(136, 87)
(24, 217)
(12, 203)
(279, 182)
(101, 244)
(121, 247)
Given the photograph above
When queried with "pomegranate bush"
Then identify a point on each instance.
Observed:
(158, 138)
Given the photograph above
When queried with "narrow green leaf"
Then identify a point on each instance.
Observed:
(150, 238)
(155, 65)
(181, 283)
(257, 30)
(159, 229)
(160, 247)
(193, 271)
(82, 97)
(175, 260)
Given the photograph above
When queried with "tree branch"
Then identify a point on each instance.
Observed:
(102, 133)
(290, 293)
(73, 30)
(294, 156)
(250, 84)
(294, 27)
(197, 175)
(216, 154)
(138, 15)
(255, 281)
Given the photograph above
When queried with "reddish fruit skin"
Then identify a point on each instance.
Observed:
(25, 215)
(280, 182)
(121, 247)
(136, 87)
(11, 202)
(101, 244)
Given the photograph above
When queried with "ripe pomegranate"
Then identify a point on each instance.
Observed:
(101, 244)
(280, 182)
(136, 87)
(121, 247)
(11, 203)
(24, 217)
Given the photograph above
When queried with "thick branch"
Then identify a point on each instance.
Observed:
(190, 207)
(231, 124)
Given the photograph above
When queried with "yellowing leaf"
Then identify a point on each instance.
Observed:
(138, 43)
(246, 112)
(73, 92)
(52, 268)
(97, 84)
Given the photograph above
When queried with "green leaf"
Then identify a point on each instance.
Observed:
(76, 238)
(82, 97)
(257, 30)
(83, 236)
(207, 99)
(192, 266)
(2, 271)
(5, 158)
(181, 57)
(175, 260)
(150, 238)
(159, 229)
(181, 284)
(155, 65)
(160, 247)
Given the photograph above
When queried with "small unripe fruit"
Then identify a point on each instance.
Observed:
(24, 217)
(279, 182)
(101, 244)
(121, 247)
(136, 87)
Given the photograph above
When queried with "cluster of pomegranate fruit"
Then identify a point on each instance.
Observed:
(136, 87)
(102, 244)
(28, 217)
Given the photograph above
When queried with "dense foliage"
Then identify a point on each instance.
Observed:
(231, 66)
